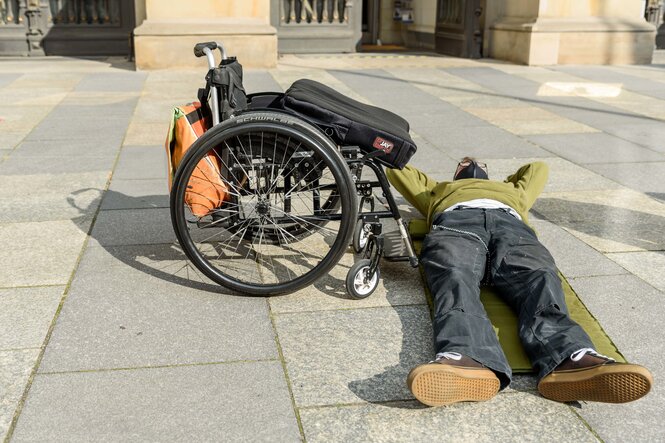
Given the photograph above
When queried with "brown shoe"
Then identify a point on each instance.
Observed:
(450, 379)
(589, 376)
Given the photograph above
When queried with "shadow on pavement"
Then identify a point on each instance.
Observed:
(607, 223)
(163, 260)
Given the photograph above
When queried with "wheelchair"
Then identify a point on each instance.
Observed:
(292, 196)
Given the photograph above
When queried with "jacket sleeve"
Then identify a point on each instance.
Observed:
(531, 178)
(414, 185)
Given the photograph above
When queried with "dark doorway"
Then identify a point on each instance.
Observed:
(458, 28)
(370, 22)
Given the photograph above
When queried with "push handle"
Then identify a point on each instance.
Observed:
(206, 48)
(198, 49)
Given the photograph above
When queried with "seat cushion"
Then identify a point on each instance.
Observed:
(350, 122)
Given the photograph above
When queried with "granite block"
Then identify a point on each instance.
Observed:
(497, 420)
(223, 402)
(136, 194)
(122, 316)
(15, 369)
(26, 315)
(40, 253)
(352, 355)
(67, 148)
(141, 163)
(133, 227)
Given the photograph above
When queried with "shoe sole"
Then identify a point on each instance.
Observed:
(616, 383)
(438, 385)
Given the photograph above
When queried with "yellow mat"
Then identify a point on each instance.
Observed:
(505, 322)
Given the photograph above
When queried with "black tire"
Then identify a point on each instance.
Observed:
(358, 284)
(359, 237)
(267, 239)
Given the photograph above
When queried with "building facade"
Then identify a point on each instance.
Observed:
(161, 33)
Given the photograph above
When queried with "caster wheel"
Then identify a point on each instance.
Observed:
(360, 237)
(358, 284)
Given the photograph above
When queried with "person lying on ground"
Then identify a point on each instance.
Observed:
(480, 235)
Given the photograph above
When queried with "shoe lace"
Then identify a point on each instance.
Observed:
(580, 353)
(448, 355)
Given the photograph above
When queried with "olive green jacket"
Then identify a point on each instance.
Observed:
(519, 191)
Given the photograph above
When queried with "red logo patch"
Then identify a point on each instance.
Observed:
(383, 144)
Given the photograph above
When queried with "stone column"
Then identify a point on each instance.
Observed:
(172, 27)
(547, 32)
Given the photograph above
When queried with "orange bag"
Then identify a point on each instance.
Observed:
(206, 191)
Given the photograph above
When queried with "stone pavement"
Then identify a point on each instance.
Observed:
(106, 334)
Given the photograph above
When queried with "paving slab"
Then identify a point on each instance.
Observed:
(141, 162)
(67, 148)
(8, 78)
(136, 194)
(40, 253)
(128, 317)
(15, 369)
(141, 133)
(19, 165)
(603, 74)
(223, 402)
(628, 308)
(595, 148)
(26, 315)
(523, 120)
(485, 142)
(619, 220)
(563, 175)
(40, 197)
(630, 311)
(492, 421)
(637, 175)
(8, 140)
(163, 261)
(354, 355)
(133, 227)
(646, 265)
(95, 127)
(96, 104)
(396, 288)
(256, 80)
(573, 257)
(115, 82)
(648, 134)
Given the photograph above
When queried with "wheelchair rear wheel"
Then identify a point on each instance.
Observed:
(279, 209)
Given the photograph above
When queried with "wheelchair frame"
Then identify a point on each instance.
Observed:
(368, 237)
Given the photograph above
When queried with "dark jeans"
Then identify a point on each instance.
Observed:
(522, 272)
